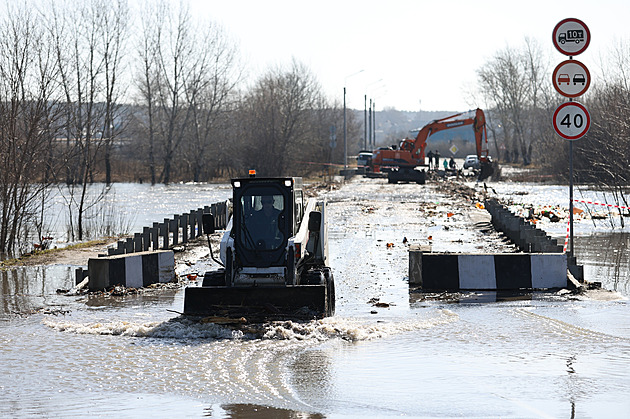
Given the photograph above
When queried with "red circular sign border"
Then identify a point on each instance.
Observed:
(588, 120)
(554, 80)
(555, 41)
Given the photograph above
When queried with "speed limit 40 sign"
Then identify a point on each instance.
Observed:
(571, 120)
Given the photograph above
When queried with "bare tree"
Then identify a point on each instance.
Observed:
(174, 54)
(278, 114)
(87, 78)
(209, 92)
(512, 83)
(602, 155)
(27, 119)
(114, 29)
(152, 22)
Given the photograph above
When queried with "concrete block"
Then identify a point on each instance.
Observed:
(549, 271)
(131, 270)
(476, 272)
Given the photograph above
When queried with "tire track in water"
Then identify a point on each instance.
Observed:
(562, 329)
(225, 365)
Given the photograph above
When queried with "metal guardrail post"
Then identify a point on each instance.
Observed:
(155, 236)
(173, 226)
(146, 238)
(137, 242)
(183, 221)
(192, 223)
(164, 231)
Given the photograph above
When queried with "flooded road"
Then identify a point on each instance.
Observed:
(386, 352)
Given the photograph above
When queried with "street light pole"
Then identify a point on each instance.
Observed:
(365, 139)
(370, 123)
(372, 115)
(345, 132)
(374, 122)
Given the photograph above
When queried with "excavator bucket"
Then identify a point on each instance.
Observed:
(487, 170)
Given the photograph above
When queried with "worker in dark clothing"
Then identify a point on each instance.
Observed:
(263, 225)
(430, 156)
(437, 159)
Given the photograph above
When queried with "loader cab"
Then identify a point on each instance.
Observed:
(266, 214)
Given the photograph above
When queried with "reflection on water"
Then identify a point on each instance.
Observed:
(417, 296)
(249, 411)
(26, 289)
(606, 259)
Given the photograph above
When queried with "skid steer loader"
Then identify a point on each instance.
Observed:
(274, 254)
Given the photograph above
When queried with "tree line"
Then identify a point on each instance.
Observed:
(97, 91)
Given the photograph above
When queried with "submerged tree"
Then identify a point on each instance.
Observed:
(88, 40)
(28, 117)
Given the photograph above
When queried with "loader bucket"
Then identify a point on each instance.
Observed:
(258, 303)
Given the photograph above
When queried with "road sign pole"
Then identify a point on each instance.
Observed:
(571, 198)
(571, 193)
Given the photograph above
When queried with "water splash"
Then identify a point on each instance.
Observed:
(348, 329)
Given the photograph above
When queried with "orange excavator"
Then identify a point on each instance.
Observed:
(402, 162)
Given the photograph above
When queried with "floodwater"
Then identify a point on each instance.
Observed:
(387, 352)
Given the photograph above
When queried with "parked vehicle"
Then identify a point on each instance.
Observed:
(364, 160)
(472, 162)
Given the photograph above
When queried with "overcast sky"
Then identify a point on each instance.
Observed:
(415, 55)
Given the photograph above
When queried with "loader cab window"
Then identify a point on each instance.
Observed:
(264, 221)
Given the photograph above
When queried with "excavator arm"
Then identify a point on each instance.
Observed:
(478, 122)
(411, 152)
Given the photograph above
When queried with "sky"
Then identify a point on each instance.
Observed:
(405, 54)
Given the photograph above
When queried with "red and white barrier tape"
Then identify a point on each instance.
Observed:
(598, 203)
(566, 239)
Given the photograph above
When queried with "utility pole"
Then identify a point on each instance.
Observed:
(345, 127)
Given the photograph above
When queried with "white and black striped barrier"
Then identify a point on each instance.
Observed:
(503, 271)
(527, 236)
(135, 270)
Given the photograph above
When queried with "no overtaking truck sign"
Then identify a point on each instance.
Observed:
(571, 36)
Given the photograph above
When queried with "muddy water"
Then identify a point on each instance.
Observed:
(387, 352)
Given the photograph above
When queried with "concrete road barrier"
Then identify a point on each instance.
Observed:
(503, 271)
(135, 270)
